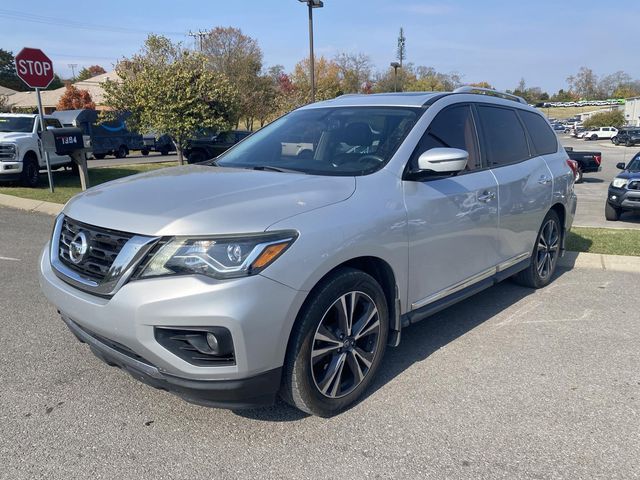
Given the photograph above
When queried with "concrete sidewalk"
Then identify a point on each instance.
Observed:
(30, 205)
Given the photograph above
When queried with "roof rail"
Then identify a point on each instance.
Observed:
(489, 91)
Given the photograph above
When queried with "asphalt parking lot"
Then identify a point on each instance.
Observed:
(512, 383)
(592, 193)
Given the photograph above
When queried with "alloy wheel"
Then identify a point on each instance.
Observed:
(548, 249)
(345, 344)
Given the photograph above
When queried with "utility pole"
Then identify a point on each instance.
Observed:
(199, 35)
(72, 66)
(311, 4)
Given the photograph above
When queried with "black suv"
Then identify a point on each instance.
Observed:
(624, 191)
(627, 137)
(210, 144)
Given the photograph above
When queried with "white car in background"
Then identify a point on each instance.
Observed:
(601, 132)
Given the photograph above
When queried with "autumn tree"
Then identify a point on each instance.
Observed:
(169, 89)
(613, 118)
(327, 77)
(89, 72)
(75, 99)
(482, 84)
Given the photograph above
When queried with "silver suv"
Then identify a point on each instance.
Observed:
(288, 264)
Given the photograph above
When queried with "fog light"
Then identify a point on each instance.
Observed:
(212, 341)
(613, 197)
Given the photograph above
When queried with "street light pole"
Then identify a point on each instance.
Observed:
(311, 4)
(395, 66)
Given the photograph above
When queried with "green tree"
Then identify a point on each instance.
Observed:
(169, 89)
(90, 72)
(613, 118)
(8, 76)
(327, 77)
(238, 57)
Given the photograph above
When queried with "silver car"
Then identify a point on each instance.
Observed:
(288, 264)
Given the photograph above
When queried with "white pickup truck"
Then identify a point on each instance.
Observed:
(597, 133)
(21, 155)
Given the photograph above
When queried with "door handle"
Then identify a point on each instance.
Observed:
(544, 180)
(486, 196)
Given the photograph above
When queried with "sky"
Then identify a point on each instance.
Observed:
(542, 41)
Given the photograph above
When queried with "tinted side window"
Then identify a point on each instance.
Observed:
(454, 128)
(543, 138)
(52, 122)
(504, 137)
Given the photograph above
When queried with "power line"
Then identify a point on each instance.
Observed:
(59, 22)
(200, 34)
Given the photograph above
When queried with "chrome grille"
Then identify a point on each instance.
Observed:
(104, 247)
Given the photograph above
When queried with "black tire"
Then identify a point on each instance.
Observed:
(615, 141)
(611, 213)
(121, 152)
(144, 152)
(303, 378)
(164, 151)
(628, 143)
(196, 157)
(594, 137)
(544, 257)
(30, 172)
(99, 156)
(579, 175)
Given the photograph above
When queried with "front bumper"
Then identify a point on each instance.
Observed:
(10, 171)
(258, 311)
(260, 390)
(623, 198)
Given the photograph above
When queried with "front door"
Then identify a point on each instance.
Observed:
(453, 221)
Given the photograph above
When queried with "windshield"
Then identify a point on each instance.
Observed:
(16, 124)
(634, 164)
(326, 141)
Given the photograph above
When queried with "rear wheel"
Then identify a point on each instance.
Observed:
(612, 213)
(615, 140)
(30, 172)
(579, 175)
(121, 152)
(99, 156)
(144, 152)
(164, 151)
(337, 344)
(197, 156)
(544, 257)
(628, 143)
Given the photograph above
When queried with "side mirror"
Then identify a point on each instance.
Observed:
(443, 160)
(620, 165)
(49, 127)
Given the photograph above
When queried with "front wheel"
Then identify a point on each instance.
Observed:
(579, 175)
(337, 344)
(544, 257)
(30, 173)
(611, 213)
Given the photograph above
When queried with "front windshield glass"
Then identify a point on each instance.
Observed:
(16, 124)
(634, 164)
(326, 141)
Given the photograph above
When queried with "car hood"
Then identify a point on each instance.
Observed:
(202, 200)
(629, 174)
(12, 136)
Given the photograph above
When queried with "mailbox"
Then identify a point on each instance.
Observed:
(67, 140)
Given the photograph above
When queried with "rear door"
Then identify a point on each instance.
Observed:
(524, 181)
(453, 220)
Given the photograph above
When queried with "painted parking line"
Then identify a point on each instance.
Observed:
(10, 259)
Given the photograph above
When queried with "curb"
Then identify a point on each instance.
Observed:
(593, 261)
(30, 205)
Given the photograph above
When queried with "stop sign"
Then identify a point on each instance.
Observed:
(34, 67)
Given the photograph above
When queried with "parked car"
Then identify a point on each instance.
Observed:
(157, 143)
(209, 144)
(578, 132)
(107, 137)
(601, 132)
(266, 272)
(627, 137)
(588, 162)
(624, 190)
(21, 158)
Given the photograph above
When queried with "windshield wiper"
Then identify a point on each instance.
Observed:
(271, 168)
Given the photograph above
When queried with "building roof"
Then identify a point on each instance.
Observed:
(50, 98)
(6, 91)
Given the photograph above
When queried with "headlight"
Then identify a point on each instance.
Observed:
(619, 182)
(10, 150)
(218, 257)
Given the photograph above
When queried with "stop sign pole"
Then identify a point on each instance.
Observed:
(36, 70)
